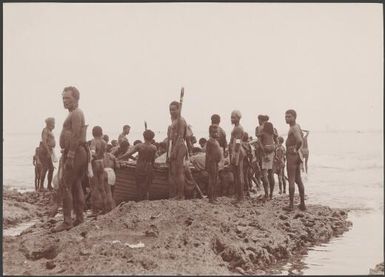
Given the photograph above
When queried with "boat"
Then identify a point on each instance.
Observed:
(161, 188)
(125, 185)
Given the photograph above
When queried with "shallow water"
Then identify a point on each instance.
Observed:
(18, 229)
(345, 171)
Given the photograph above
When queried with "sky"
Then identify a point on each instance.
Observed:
(129, 61)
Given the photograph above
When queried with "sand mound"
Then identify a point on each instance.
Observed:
(178, 237)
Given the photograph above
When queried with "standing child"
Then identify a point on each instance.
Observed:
(110, 163)
(37, 163)
(144, 164)
(279, 164)
(247, 163)
(213, 157)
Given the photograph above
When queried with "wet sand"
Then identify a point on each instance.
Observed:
(22, 207)
(172, 237)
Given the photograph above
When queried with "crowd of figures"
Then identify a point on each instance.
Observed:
(86, 172)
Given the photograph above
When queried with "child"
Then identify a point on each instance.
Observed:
(110, 163)
(279, 164)
(36, 162)
(144, 164)
(247, 163)
(213, 157)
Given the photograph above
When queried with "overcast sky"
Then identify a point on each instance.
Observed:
(129, 62)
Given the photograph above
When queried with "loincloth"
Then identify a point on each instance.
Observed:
(111, 177)
(268, 160)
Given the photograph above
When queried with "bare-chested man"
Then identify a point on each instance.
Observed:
(46, 153)
(237, 154)
(123, 136)
(261, 120)
(144, 165)
(74, 159)
(101, 193)
(180, 145)
(294, 160)
(268, 147)
(215, 120)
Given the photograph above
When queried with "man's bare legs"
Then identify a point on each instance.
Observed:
(239, 181)
(265, 182)
(177, 171)
(271, 182)
(294, 176)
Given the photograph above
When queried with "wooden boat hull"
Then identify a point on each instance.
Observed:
(125, 186)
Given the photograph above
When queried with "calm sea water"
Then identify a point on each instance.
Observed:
(345, 171)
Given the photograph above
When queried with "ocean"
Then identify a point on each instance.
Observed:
(345, 171)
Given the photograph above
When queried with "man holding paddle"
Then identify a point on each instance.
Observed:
(177, 147)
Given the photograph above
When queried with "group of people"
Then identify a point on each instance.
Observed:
(92, 163)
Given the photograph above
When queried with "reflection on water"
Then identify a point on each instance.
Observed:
(352, 253)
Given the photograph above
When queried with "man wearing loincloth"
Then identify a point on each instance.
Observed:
(268, 147)
(294, 159)
(237, 154)
(74, 160)
(180, 145)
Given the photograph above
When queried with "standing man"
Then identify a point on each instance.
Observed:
(177, 139)
(74, 160)
(46, 153)
(294, 160)
(267, 150)
(215, 120)
(261, 120)
(123, 135)
(237, 154)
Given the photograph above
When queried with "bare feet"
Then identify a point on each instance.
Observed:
(302, 207)
(77, 222)
(62, 227)
(288, 208)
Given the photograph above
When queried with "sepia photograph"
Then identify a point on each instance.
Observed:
(210, 138)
